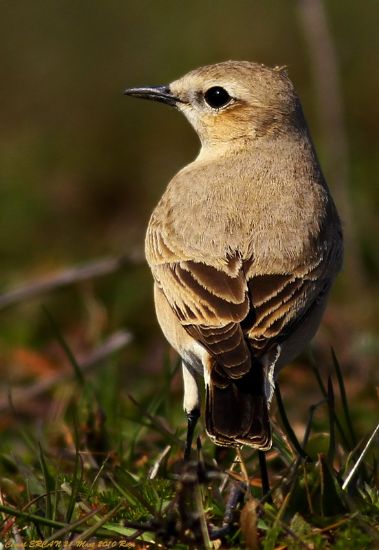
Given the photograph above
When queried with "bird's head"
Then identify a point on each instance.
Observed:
(233, 100)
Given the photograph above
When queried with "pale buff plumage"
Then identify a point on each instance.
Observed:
(243, 245)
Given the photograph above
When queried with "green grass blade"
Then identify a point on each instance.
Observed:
(72, 527)
(207, 545)
(286, 451)
(331, 495)
(345, 406)
(319, 380)
(49, 482)
(153, 404)
(332, 417)
(287, 426)
(130, 487)
(77, 477)
(66, 348)
(324, 391)
(30, 517)
(154, 423)
(356, 465)
(97, 477)
(311, 412)
(94, 528)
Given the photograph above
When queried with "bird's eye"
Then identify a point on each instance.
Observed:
(217, 97)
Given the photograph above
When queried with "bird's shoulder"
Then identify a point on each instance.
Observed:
(197, 218)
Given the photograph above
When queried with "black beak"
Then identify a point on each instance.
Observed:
(156, 93)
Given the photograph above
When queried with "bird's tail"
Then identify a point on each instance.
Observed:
(237, 411)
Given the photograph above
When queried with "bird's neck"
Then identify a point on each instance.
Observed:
(211, 150)
(279, 144)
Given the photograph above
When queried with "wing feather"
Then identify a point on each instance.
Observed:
(278, 302)
(229, 309)
(210, 304)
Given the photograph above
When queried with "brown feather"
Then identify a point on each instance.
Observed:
(236, 411)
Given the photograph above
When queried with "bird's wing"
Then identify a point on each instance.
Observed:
(210, 303)
(225, 306)
(280, 301)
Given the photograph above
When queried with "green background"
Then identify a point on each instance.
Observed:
(82, 166)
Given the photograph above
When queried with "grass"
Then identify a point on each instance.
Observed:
(106, 470)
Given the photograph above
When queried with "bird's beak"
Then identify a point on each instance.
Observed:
(156, 93)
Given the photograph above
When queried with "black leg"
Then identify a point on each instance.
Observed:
(192, 418)
(264, 473)
(236, 493)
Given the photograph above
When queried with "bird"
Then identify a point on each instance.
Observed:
(243, 245)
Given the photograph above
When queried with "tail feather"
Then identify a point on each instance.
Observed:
(237, 412)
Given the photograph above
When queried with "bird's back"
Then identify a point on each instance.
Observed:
(268, 203)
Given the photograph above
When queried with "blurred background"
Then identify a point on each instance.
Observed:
(82, 166)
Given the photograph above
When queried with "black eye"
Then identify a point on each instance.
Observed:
(217, 97)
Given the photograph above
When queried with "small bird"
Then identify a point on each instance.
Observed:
(243, 246)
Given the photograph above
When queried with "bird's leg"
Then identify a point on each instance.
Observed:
(236, 492)
(191, 405)
(192, 418)
(264, 473)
